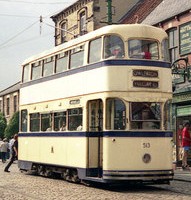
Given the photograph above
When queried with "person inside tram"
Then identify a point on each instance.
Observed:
(63, 127)
(144, 54)
(117, 52)
(146, 115)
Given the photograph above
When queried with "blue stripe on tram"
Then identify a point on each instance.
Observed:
(99, 134)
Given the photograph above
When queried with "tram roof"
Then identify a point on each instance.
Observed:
(131, 30)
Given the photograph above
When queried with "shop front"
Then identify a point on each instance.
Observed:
(181, 114)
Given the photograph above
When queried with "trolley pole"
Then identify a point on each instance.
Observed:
(109, 12)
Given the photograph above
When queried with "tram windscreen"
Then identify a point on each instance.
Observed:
(145, 115)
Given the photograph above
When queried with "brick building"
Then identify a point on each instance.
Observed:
(9, 101)
(87, 15)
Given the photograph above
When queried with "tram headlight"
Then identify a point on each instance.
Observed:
(146, 158)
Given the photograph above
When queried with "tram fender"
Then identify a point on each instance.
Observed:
(24, 165)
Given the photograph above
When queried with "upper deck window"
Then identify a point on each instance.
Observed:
(48, 67)
(94, 50)
(36, 70)
(165, 51)
(143, 49)
(113, 47)
(61, 62)
(26, 73)
(77, 57)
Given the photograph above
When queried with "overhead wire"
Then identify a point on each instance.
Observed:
(9, 15)
(19, 33)
(30, 2)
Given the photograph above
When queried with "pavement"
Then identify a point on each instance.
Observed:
(182, 175)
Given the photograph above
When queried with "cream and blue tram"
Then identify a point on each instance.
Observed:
(95, 109)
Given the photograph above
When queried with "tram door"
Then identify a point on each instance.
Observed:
(95, 139)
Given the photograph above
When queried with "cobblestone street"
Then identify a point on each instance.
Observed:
(17, 185)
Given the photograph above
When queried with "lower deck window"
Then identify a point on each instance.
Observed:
(116, 118)
(34, 122)
(46, 122)
(75, 119)
(60, 121)
(145, 115)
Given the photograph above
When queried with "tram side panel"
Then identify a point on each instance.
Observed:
(122, 153)
(59, 151)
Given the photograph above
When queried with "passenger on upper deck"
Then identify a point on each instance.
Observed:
(117, 52)
(144, 54)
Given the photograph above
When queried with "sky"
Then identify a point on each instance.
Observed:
(22, 35)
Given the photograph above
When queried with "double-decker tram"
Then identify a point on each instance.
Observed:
(97, 108)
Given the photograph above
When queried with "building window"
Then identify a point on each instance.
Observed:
(63, 32)
(15, 103)
(173, 44)
(82, 23)
(8, 106)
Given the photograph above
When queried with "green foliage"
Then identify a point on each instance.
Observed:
(13, 126)
(3, 124)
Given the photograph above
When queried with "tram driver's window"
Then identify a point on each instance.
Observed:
(143, 49)
(75, 119)
(116, 114)
(145, 115)
(113, 47)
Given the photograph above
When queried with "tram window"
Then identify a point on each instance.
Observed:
(48, 67)
(26, 73)
(61, 62)
(94, 50)
(113, 47)
(34, 122)
(116, 114)
(145, 115)
(77, 57)
(75, 119)
(60, 121)
(165, 50)
(46, 122)
(167, 115)
(143, 49)
(24, 120)
(36, 70)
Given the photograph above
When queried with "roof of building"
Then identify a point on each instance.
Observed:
(10, 89)
(166, 10)
(140, 11)
(67, 8)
